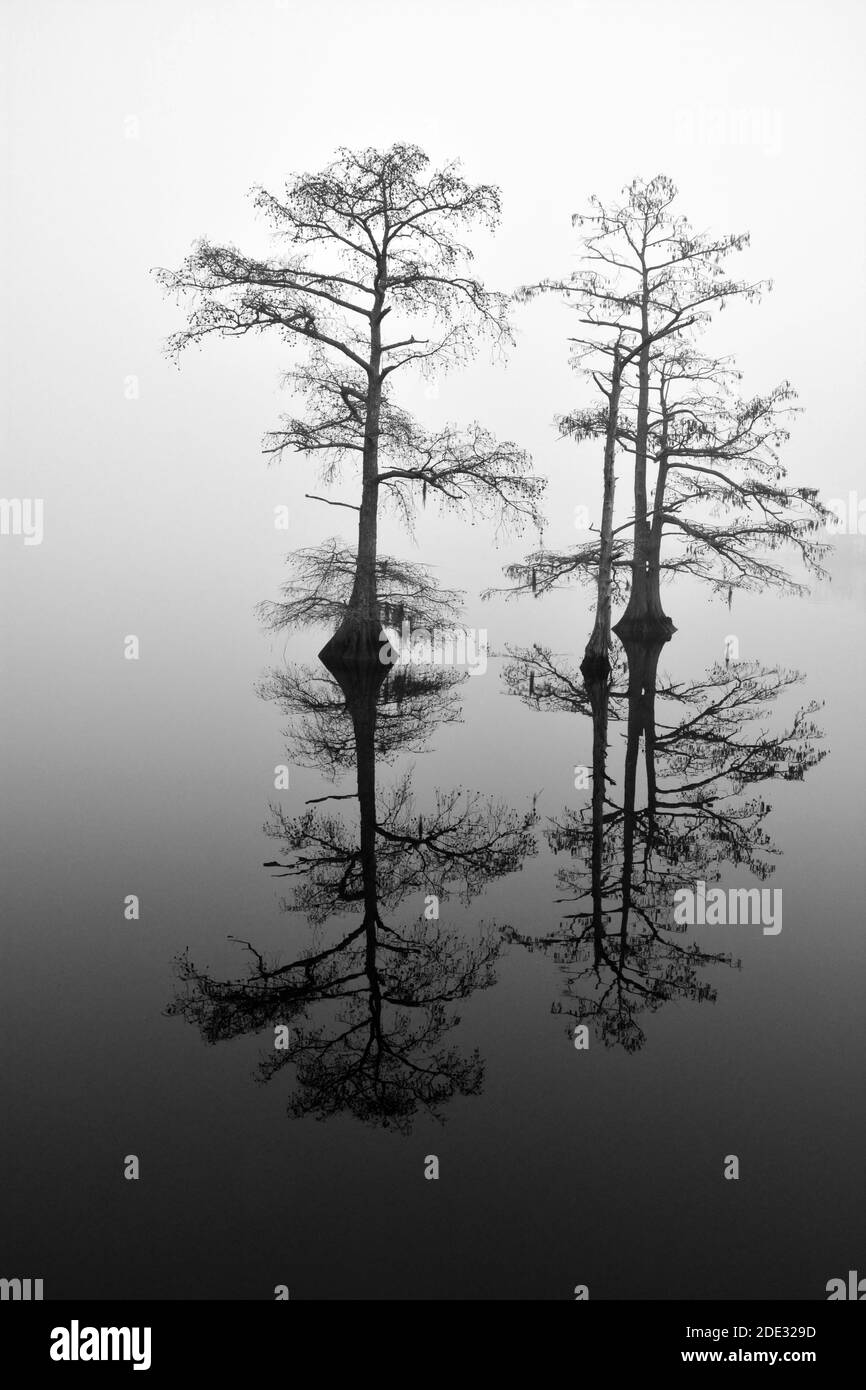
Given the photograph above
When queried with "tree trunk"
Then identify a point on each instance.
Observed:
(359, 637)
(644, 614)
(596, 657)
(655, 547)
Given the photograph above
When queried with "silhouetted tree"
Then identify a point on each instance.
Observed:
(320, 589)
(721, 488)
(658, 281)
(720, 491)
(373, 235)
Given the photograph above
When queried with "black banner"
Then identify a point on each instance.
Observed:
(159, 1339)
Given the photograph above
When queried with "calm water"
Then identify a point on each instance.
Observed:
(558, 1166)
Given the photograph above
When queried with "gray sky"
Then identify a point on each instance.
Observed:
(132, 128)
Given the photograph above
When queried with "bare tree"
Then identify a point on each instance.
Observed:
(320, 586)
(721, 488)
(372, 237)
(651, 281)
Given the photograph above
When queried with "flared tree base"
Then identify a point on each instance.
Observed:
(644, 628)
(595, 666)
(358, 642)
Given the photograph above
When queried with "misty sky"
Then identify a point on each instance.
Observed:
(132, 128)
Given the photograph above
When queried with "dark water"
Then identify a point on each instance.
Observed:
(558, 1166)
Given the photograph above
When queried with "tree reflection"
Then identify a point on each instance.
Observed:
(698, 811)
(368, 1010)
